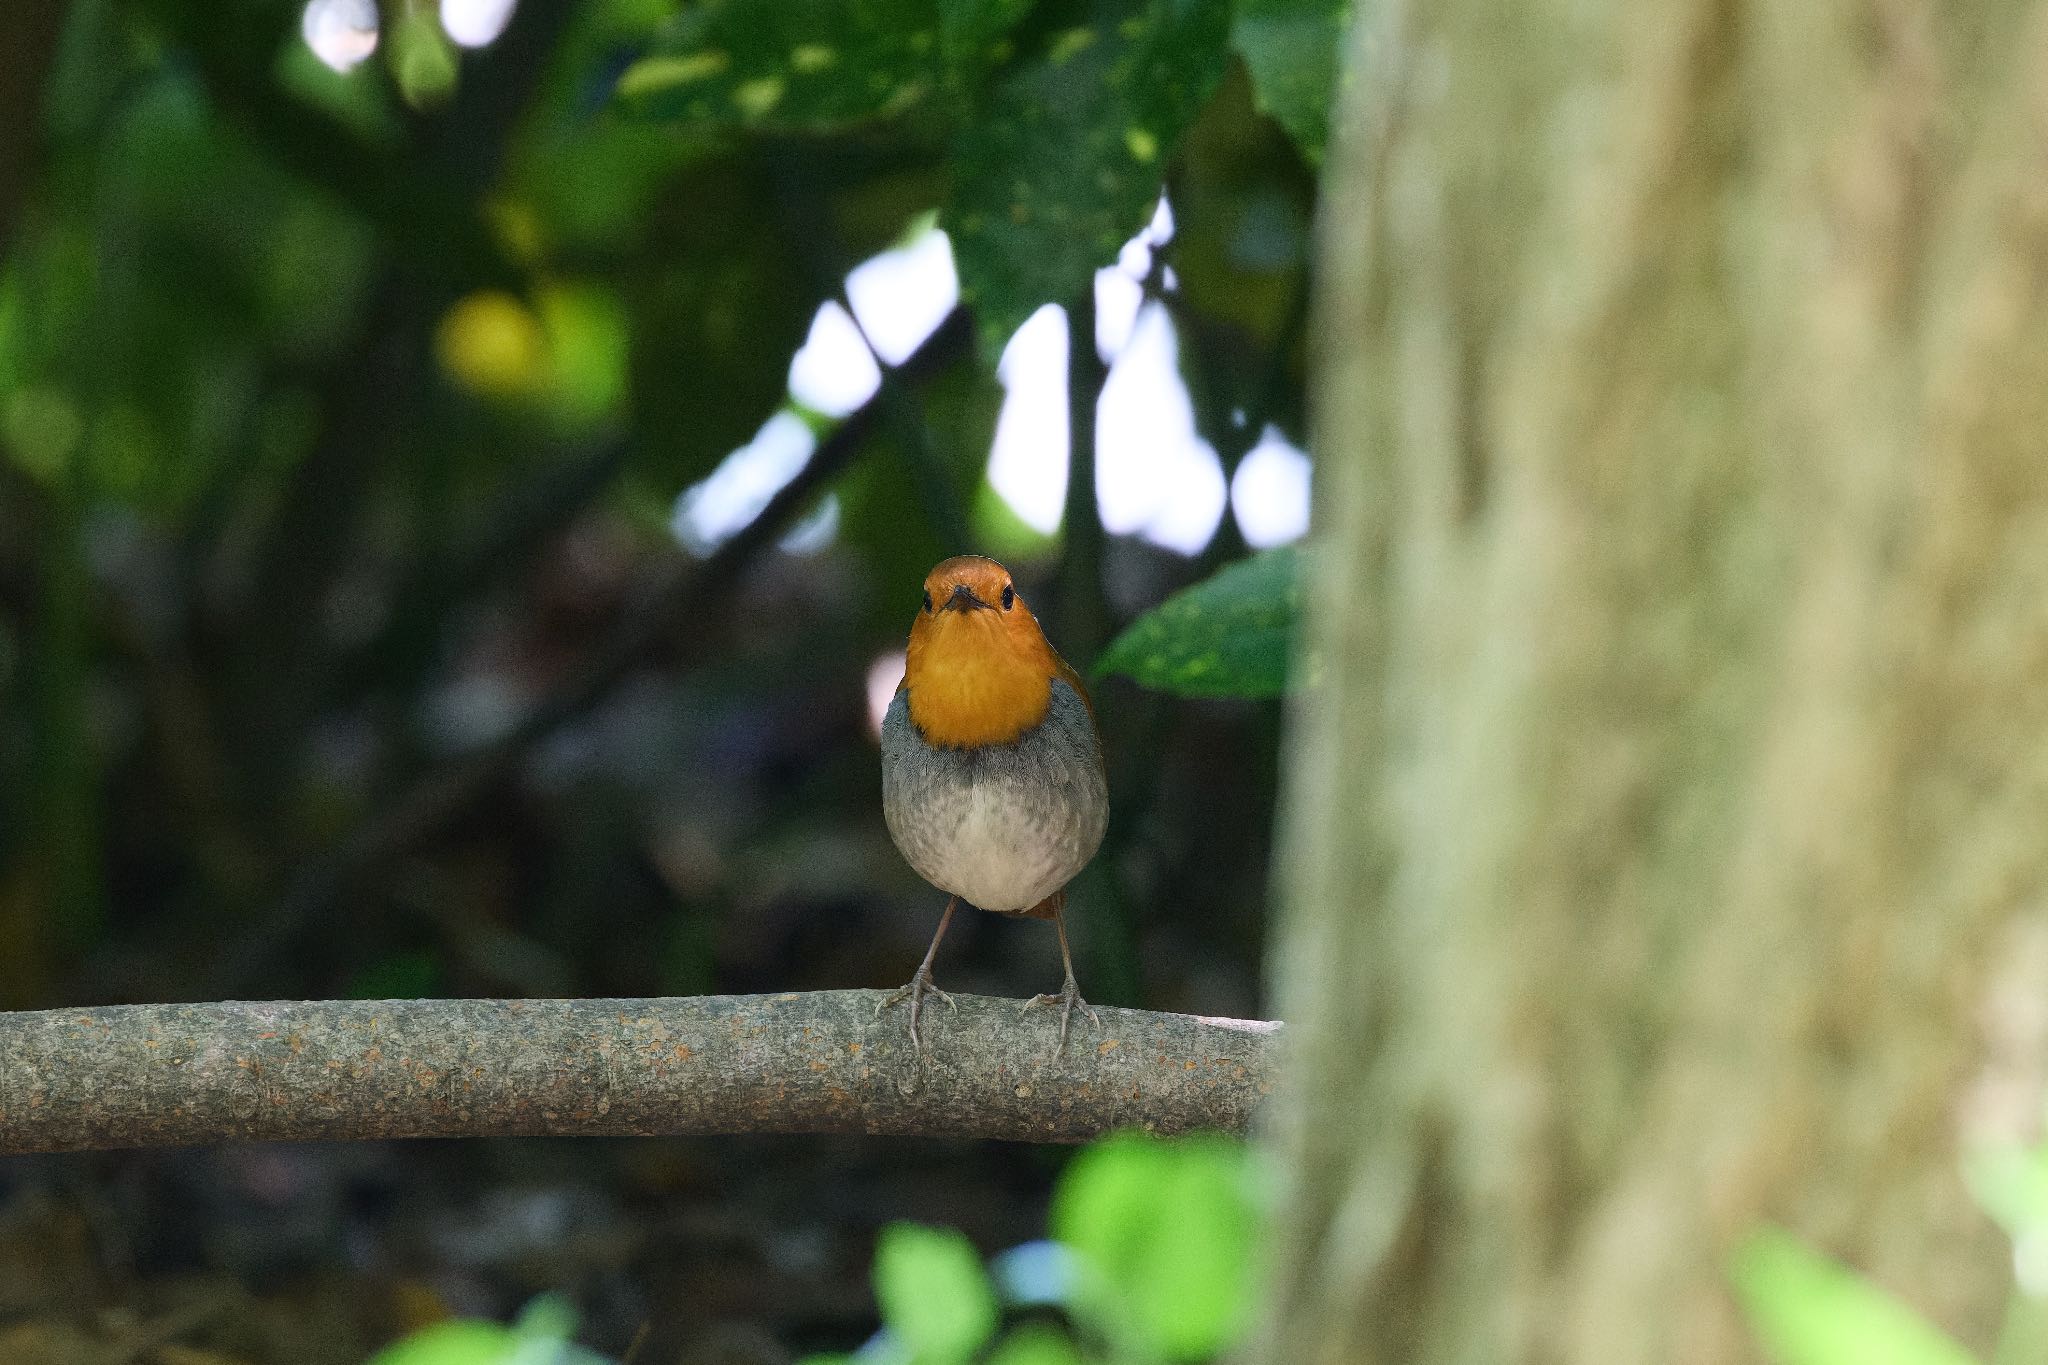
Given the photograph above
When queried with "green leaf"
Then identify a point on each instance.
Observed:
(1065, 161)
(1810, 1310)
(1295, 50)
(587, 346)
(461, 1342)
(1230, 635)
(540, 1335)
(1166, 1236)
(934, 1293)
(1035, 1344)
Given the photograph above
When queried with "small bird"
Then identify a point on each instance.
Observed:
(992, 779)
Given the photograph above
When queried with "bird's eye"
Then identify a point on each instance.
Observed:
(1009, 597)
(927, 603)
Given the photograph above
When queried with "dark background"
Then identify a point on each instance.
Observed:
(346, 650)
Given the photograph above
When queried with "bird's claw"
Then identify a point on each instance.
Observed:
(915, 990)
(1067, 997)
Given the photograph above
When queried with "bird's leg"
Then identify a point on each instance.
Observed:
(921, 985)
(1070, 992)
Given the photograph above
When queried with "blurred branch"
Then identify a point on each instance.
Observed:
(943, 502)
(1085, 612)
(821, 1062)
(273, 642)
(827, 263)
(21, 518)
(508, 533)
(670, 609)
(26, 59)
(1110, 948)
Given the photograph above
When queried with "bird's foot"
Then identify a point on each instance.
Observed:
(1068, 997)
(915, 990)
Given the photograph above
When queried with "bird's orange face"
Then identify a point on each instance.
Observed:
(979, 669)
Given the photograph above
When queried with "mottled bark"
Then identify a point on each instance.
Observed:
(168, 1075)
(1668, 836)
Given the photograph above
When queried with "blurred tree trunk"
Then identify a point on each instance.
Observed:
(1669, 833)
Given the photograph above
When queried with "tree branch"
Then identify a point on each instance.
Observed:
(822, 1062)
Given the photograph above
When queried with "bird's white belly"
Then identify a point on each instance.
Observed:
(1004, 854)
(1003, 827)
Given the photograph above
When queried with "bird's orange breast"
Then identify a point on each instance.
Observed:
(967, 691)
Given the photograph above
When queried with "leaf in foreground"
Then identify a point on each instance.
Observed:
(1230, 635)
(934, 1294)
(1810, 1310)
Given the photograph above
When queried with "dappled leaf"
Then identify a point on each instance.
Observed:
(975, 32)
(812, 64)
(1166, 1236)
(1294, 49)
(1810, 1310)
(933, 1292)
(1065, 160)
(1230, 635)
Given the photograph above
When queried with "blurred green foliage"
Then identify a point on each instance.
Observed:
(1155, 1260)
(1158, 1262)
(1164, 1237)
(314, 386)
(1057, 122)
(933, 1294)
(541, 1336)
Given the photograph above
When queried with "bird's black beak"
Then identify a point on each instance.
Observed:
(963, 599)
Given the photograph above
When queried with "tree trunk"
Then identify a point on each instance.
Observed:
(1669, 821)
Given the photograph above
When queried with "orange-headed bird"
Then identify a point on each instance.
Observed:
(992, 778)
